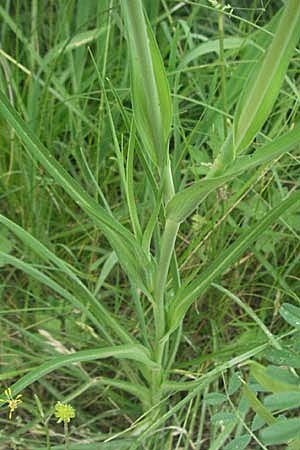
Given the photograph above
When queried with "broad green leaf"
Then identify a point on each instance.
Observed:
(223, 418)
(291, 314)
(283, 400)
(261, 40)
(130, 254)
(283, 357)
(264, 83)
(190, 291)
(132, 352)
(150, 90)
(257, 406)
(274, 379)
(281, 432)
(234, 383)
(215, 398)
(238, 443)
(267, 152)
(257, 423)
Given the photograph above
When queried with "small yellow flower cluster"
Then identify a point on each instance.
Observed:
(12, 402)
(64, 412)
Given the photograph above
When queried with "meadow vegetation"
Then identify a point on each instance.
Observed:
(149, 224)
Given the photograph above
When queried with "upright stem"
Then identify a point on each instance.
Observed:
(67, 436)
(166, 250)
(167, 247)
(223, 69)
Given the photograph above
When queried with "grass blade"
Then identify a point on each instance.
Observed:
(265, 81)
(130, 254)
(87, 309)
(150, 89)
(133, 352)
(186, 201)
(103, 315)
(188, 293)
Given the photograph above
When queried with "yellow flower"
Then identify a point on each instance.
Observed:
(64, 412)
(12, 402)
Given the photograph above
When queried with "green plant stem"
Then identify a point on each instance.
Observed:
(47, 437)
(160, 281)
(223, 70)
(67, 436)
(166, 250)
(167, 247)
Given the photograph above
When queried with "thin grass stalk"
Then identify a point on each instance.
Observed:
(223, 69)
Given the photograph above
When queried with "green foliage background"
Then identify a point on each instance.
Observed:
(89, 220)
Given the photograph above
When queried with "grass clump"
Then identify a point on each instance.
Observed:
(149, 229)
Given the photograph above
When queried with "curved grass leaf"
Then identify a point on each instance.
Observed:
(189, 292)
(213, 46)
(103, 315)
(264, 83)
(133, 352)
(89, 310)
(130, 254)
(186, 201)
(75, 42)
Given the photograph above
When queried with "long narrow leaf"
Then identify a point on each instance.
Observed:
(186, 201)
(263, 86)
(133, 352)
(188, 293)
(130, 254)
(102, 314)
(150, 89)
(88, 309)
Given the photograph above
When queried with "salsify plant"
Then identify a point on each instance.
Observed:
(145, 247)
